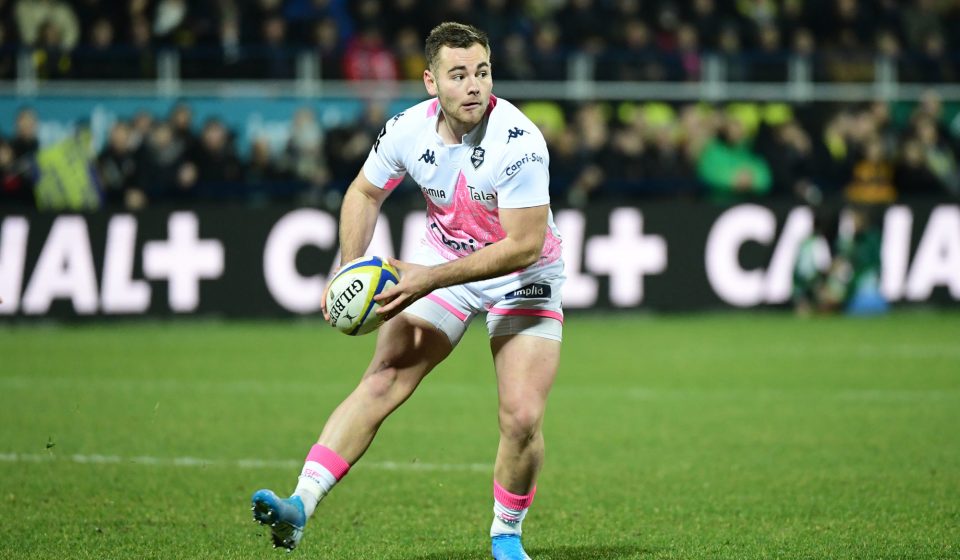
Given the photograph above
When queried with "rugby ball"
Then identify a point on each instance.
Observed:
(350, 296)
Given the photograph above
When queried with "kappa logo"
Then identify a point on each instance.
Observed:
(515, 133)
(477, 157)
(376, 143)
(397, 117)
(531, 291)
(428, 156)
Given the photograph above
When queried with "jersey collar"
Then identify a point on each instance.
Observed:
(472, 138)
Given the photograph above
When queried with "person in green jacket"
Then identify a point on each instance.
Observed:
(729, 166)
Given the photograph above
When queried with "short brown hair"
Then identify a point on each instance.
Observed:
(453, 35)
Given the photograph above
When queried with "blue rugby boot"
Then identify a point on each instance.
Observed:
(508, 547)
(285, 517)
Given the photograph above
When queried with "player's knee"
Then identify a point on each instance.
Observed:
(381, 382)
(521, 424)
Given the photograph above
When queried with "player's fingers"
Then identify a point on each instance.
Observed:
(393, 307)
(387, 295)
(323, 303)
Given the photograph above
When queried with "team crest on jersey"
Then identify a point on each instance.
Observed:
(477, 157)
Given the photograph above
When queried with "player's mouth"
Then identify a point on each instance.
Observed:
(472, 105)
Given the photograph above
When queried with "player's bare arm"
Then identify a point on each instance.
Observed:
(358, 218)
(525, 229)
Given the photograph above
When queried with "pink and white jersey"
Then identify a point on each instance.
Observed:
(502, 163)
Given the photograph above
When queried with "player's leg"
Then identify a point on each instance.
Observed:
(526, 366)
(407, 349)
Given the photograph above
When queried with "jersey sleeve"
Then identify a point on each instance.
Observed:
(384, 166)
(524, 180)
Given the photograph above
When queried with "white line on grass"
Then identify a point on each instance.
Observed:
(230, 463)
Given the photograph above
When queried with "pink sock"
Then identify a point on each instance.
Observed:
(509, 510)
(321, 471)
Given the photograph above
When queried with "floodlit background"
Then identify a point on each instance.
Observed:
(759, 204)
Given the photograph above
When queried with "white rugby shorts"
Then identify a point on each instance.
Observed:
(512, 305)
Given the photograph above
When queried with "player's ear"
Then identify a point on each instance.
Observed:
(430, 82)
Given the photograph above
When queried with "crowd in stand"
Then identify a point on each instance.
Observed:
(599, 150)
(857, 152)
(533, 39)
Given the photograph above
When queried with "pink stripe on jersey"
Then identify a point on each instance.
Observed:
(392, 183)
(528, 312)
(328, 459)
(512, 501)
(432, 110)
(448, 306)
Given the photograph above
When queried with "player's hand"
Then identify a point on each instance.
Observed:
(323, 298)
(415, 282)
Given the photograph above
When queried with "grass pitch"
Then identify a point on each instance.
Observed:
(688, 437)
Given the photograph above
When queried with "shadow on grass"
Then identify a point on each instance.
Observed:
(584, 552)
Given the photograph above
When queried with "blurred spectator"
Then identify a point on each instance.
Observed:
(591, 122)
(834, 152)
(145, 62)
(547, 58)
(346, 147)
(305, 150)
(688, 53)
(498, 17)
(368, 58)
(24, 142)
(263, 177)
(162, 173)
(100, 59)
(410, 58)
(636, 59)
(769, 62)
(327, 44)
(16, 180)
(931, 63)
(512, 60)
(920, 20)
(810, 290)
(32, 15)
(707, 21)
(117, 170)
(872, 179)
(231, 50)
(731, 50)
(730, 168)
(940, 159)
(256, 13)
(140, 126)
(854, 277)
(788, 150)
(218, 168)
(181, 124)
(277, 60)
(912, 174)
(51, 57)
(303, 16)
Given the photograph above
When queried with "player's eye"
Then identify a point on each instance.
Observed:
(458, 77)
(483, 73)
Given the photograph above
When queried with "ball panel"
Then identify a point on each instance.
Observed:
(350, 296)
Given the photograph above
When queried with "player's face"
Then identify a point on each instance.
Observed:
(462, 81)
